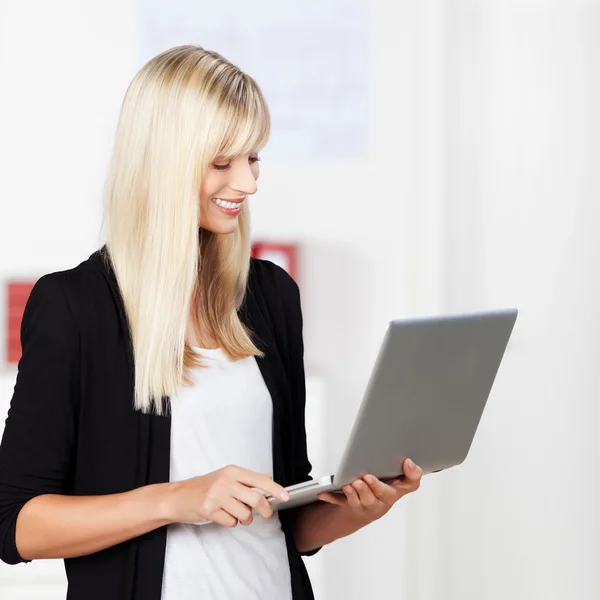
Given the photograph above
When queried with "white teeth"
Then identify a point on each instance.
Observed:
(226, 204)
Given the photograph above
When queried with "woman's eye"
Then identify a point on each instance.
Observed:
(224, 167)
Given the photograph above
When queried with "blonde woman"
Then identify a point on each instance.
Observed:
(148, 480)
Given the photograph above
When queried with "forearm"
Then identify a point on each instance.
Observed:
(54, 526)
(319, 524)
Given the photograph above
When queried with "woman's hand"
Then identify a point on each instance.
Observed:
(368, 499)
(225, 496)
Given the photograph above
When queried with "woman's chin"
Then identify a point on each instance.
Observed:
(221, 226)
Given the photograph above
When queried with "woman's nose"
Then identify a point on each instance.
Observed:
(243, 180)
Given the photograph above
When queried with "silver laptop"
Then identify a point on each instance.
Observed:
(424, 399)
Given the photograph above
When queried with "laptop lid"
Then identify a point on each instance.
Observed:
(426, 393)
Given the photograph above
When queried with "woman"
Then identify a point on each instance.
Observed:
(114, 468)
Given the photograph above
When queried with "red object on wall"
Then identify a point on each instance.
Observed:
(18, 294)
(282, 254)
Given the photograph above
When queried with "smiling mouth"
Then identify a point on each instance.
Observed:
(228, 204)
(231, 209)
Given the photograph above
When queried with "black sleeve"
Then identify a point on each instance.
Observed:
(38, 439)
(294, 325)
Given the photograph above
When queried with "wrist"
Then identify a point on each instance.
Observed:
(160, 501)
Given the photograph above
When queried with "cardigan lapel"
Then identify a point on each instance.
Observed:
(257, 320)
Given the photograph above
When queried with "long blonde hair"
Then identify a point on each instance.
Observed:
(183, 109)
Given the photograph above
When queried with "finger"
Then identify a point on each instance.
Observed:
(336, 499)
(366, 496)
(412, 472)
(405, 485)
(382, 491)
(237, 510)
(259, 481)
(223, 518)
(404, 489)
(352, 497)
(254, 500)
(394, 482)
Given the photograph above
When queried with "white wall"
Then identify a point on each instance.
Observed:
(520, 519)
(483, 134)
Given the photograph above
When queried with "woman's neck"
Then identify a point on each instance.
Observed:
(204, 340)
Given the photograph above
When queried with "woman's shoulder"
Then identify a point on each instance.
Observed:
(80, 279)
(80, 289)
(271, 286)
(272, 280)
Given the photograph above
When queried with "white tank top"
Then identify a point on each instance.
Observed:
(226, 418)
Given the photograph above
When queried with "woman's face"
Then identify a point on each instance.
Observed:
(228, 181)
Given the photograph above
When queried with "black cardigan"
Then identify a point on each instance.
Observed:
(71, 428)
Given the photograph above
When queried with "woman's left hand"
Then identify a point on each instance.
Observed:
(368, 499)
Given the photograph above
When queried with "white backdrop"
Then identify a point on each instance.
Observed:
(479, 189)
(521, 141)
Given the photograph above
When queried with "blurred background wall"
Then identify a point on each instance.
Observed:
(480, 190)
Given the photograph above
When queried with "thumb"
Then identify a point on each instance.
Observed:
(412, 471)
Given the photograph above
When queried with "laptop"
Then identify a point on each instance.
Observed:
(424, 399)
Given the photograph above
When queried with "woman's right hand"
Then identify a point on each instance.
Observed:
(224, 496)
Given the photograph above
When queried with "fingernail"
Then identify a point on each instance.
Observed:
(411, 464)
(370, 479)
(285, 496)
